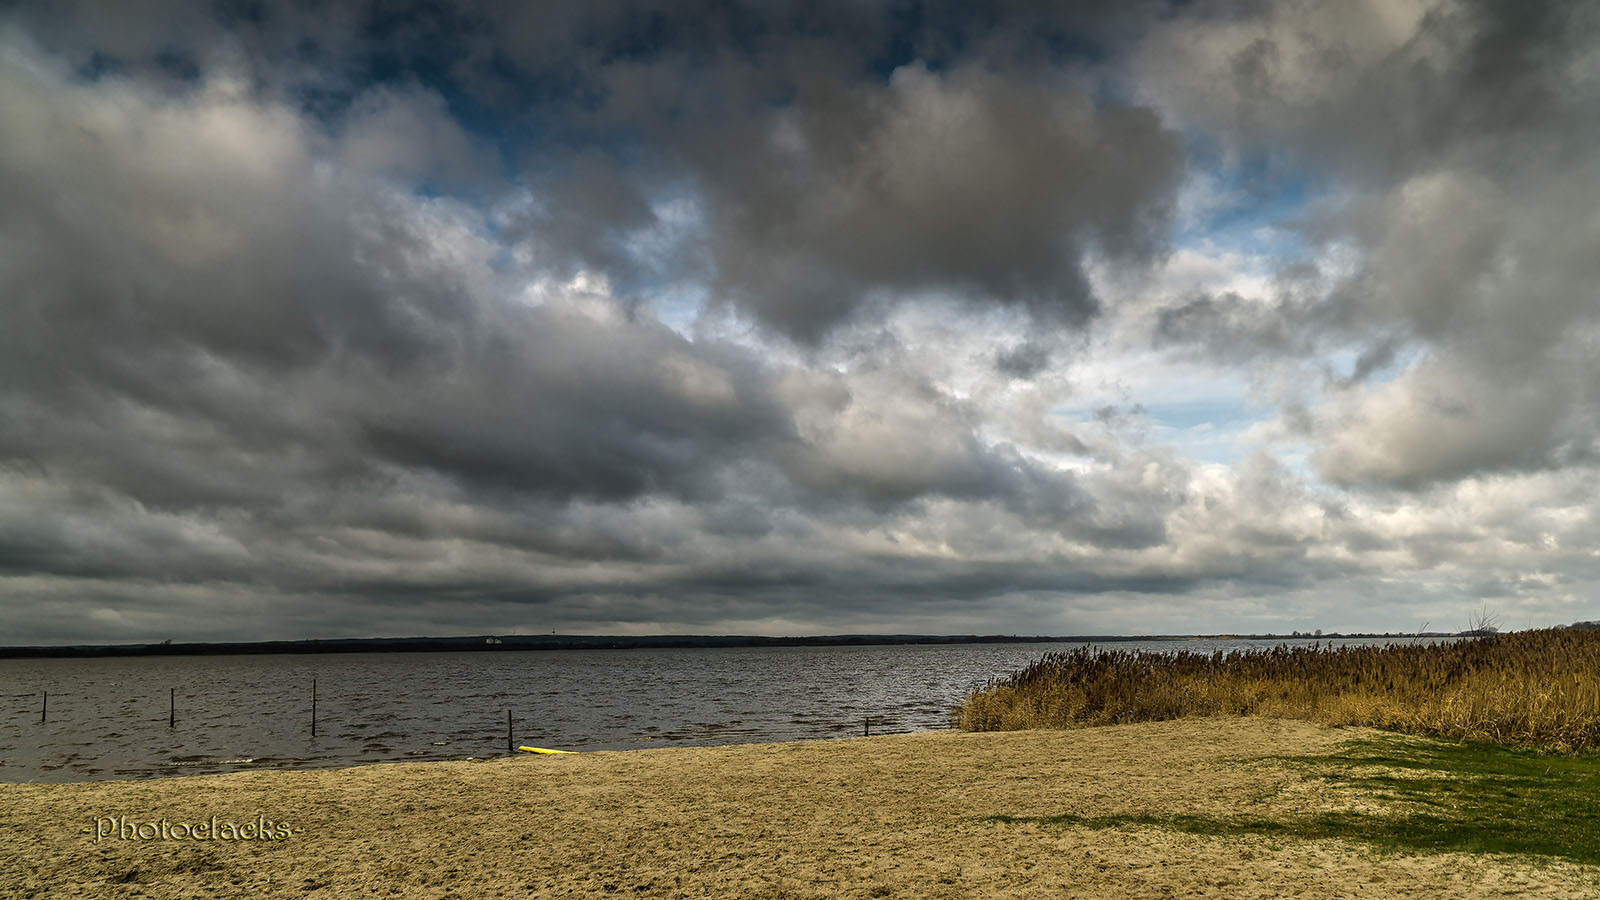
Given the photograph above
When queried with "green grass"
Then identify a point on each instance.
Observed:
(1436, 797)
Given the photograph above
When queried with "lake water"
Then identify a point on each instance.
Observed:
(108, 718)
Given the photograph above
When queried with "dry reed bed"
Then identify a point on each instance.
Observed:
(1538, 689)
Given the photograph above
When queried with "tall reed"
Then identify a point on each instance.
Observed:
(1537, 689)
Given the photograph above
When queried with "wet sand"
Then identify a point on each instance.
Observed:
(895, 816)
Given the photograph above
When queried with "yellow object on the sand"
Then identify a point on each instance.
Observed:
(542, 750)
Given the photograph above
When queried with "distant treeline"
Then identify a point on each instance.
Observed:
(485, 642)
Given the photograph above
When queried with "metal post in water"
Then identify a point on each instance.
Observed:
(172, 707)
(866, 727)
(44, 706)
(313, 707)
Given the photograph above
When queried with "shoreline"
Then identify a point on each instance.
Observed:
(906, 815)
(486, 643)
(178, 773)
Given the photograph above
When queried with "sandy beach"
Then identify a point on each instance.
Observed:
(894, 816)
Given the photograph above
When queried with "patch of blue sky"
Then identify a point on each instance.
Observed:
(1246, 206)
(1205, 431)
(1208, 431)
(679, 307)
(899, 47)
(1206, 442)
(1297, 459)
(665, 275)
(1201, 412)
(501, 220)
(504, 260)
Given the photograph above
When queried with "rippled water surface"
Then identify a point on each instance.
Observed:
(108, 718)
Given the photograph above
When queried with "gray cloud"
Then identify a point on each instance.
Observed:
(1446, 140)
(958, 181)
(1023, 361)
(1232, 328)
(327, 323)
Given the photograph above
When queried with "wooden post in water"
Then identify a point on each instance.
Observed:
(866, 727)
(44, 706)
(172, 707)
(508, 732)
(313, 707)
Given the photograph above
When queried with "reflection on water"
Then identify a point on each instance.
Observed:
(107, 718)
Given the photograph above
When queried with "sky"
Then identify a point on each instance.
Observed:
(767, 317)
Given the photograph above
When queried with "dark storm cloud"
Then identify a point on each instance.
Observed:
(844, 156)
(564, 406)
(958, 181)
(211, 320)
(209, 300)
(838, 154)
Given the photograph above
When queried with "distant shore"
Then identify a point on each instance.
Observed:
(504, 642)
(928, 815)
